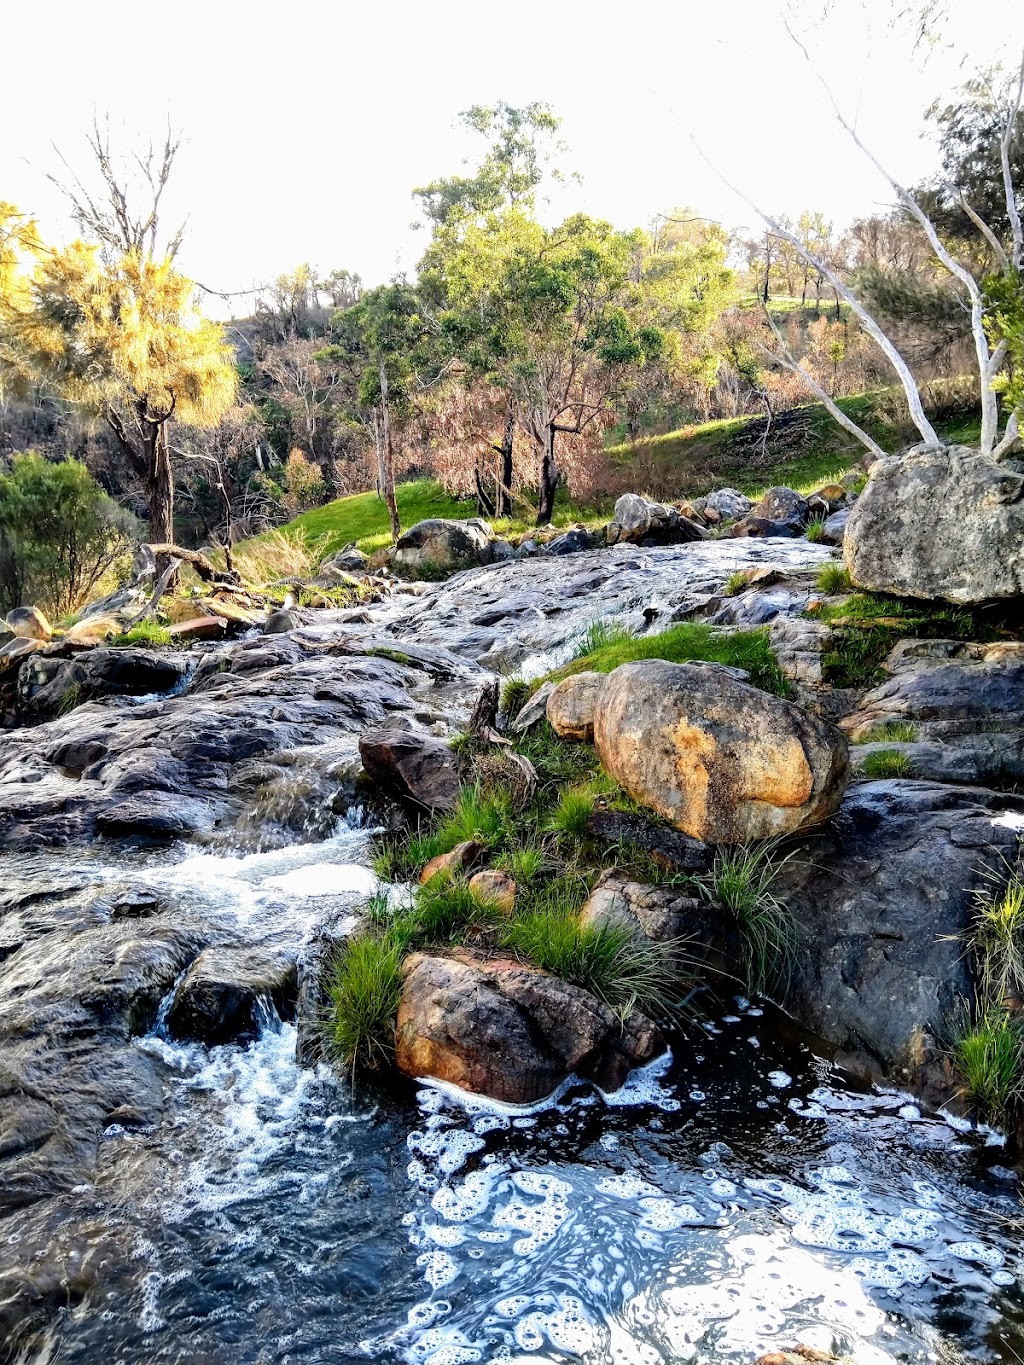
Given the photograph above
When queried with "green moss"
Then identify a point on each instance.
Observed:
(688, 642)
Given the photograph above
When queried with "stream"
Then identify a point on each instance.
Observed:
(738, 1196)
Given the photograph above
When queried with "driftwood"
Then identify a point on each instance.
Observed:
(207, 571)
(158, 592)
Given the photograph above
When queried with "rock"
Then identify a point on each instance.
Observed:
(527, 549)
(571, 542)
(663, 914)
(833, 528)
(228, 992)
(49, 685)
(534, 711)
(570, 705)
(798, 646)
(939, 523)
(349, 560)
(754, 525)
(729, 503)
(831, 493)
(29, 623)
(511, 1032)
(440, 544)
(17, 649)
(722, 761)
(231, 612)
(417, 766)
(637, 521)
(881, 897)
(670, 849)
(94, 630)
(199, 628)
(495, 888)
(461, 857)
(502, 550)
(279, 622)
(782, 504)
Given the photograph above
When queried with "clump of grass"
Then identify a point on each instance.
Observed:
(815, 529)
(998, 936)
(525, 863)
(556, 763)
(279, 554)
(893, 732)
(887, 763)
(832, 579)
(483, 816)
(575, 807)
(445, 911)
(399, 858)
(741, 879)
(515, 693)
(365, 987)
(988, 1053)
(145, 633)
(602, 634)
(622, 971)
(689, 642)
(735, 583)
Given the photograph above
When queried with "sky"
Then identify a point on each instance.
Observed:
(307, 125)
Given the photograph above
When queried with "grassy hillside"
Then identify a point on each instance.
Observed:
(804, 449)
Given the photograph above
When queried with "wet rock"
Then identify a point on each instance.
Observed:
(782, 505)
(415, 765)
(440, 544)
(50, 684)
(511, 1032)
(571, 542)
(502, 550)
(200, 628)
(664, 914)
(228, 993)
(279, 622)
(637, 521)
(722, 761)
(940, 523)
(729, 503)
(461, 857)
(670, 849)
(753, 525)
(881, 898)
(29, 623)
(349, 560)
(570, 706)
(494, 888)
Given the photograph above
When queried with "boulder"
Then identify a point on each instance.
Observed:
(570, 706)
(495, 888)
(834, 527)
(638, 521)
(670, 849)
(754, 525)
(534, 711)
(199, 628)
(729, 503)
(502, 550)
(723, 761)
(415, 765)
(441, 544)
(833, 494)
(571, 542)
(939, 523)
(279, 622)
(347, 561)
(49, 685)
(461, 857)
(228, 992)
(881, 898)
(509, 1031)
(29, 623)
(782, 504)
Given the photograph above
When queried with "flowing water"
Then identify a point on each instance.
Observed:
(735, 1197)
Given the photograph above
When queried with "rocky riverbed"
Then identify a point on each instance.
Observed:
(174, 1186)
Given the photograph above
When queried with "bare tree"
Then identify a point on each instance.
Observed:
(126, 216)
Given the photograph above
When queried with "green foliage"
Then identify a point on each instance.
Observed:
(575, 807)
(887, 763)
(60, 535)
(988, 1054)
(736, 583)
(445, 911)
(525, 863)
(689, 642)
(557, 763)
(893, 731)
(832, 579)
(815, 529)
(998, 940)
(741, 880)
(482, 816)
(145, 633)
(515, 693)
(602, 634)
(365, 987)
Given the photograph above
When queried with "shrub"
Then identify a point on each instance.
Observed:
(575, 807)
(365, 987)
(886, 763)
(832, 579)
(895, 731)
(485, 817)
(741, 880)
(60, 535)
(736, 582)
(304, 484)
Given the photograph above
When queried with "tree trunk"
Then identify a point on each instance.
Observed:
(385, 460)
(548, 478)
(484, 505)
(503, 501)
(161, 489)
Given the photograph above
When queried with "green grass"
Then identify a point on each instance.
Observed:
(998, 937)
(575, 807)
(815, 529)
(736, 582)
(893, 731)
(741, 880)
(445, 911)
(602, 635)
(479, 815)
(688, 642)
(365, 987)
(515, 693)
(832, 579)
(145, 633)
(887, 763)
(988, 1054)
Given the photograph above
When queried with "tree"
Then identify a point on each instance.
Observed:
(126, 342)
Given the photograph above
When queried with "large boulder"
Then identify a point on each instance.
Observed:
(415, 765)
(228, 992)
(441, 544)
(729, 503)
(50, 685)
(509, 1031)
(29, 623)
(940, 523)
(723, 761)
(881, 898)
(782, 505)
(570, 706)
(638, 521)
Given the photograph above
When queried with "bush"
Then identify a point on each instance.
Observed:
(60, 534)
(989, 1056)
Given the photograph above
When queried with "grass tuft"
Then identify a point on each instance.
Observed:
(893, 732)
(365, 987)
(741, 880)
(887, 763)
(601, 635)
(514, 695)
(815, 529)
(832, 579)
(145, 633)
(988, 1053)
(575, 807)
(735, 583)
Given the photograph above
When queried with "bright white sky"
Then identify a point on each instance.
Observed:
(308, 124)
